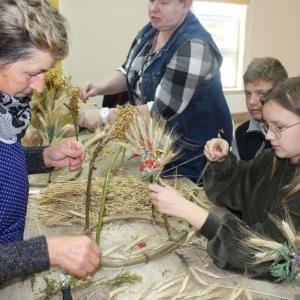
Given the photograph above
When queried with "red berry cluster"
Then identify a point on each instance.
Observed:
(150, 164)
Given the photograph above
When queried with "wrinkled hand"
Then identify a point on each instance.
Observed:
(89, 118)
(78, 255)
(89, 89)
(68, 153)
(216, 149)
(166, 199)
(68, 130)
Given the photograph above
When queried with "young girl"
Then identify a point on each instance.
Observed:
(268, 184)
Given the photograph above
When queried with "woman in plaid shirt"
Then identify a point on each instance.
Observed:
(173, 70)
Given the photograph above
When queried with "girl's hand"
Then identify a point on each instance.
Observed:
(216, 149)
(166, 200)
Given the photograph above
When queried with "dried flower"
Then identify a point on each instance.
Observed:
(125, 118)
(152, 143)
(48, 107)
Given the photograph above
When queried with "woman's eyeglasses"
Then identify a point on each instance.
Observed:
(275, 130)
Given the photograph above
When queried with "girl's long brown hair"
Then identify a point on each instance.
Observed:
(287, 95)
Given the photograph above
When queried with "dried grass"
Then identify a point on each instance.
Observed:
(258, 245)
(64, 203)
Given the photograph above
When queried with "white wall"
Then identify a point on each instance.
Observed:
(271, 30)
(102, 32)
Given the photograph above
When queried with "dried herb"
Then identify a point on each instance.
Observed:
(185, 261)
(283, 267)
(286, 257)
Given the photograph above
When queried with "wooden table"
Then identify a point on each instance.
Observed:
(154, 272)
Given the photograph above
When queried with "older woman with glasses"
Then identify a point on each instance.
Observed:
(267, 185)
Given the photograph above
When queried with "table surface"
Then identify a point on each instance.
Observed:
(155, 273)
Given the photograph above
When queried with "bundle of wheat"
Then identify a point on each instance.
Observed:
(64, 203)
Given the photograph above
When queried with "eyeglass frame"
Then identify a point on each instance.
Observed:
(265, 129)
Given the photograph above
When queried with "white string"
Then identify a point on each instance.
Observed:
(183, 163)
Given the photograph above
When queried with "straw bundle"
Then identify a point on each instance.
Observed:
(64, 203)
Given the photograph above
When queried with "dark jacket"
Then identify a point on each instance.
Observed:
(247, 187)
(250, 142)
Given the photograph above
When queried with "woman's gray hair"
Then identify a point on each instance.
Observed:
(27, 25)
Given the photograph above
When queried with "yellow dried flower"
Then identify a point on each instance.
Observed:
(48, 106)
(125, 118)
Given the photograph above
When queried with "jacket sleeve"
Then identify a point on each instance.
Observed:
(225, 249)
(35, 160)
(226, 175)
(23, 258)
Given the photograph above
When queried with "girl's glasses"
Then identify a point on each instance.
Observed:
(275, 130)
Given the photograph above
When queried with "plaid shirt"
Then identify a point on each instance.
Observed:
(194, 62)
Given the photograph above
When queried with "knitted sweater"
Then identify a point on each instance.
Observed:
(246, 187)
(25, 257)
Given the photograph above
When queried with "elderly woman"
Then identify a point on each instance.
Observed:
(33, 38)
(172, 70)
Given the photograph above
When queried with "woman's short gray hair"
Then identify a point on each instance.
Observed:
(27, 25)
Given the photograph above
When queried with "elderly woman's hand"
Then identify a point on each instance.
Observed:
(68, 153)
(78, 255)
